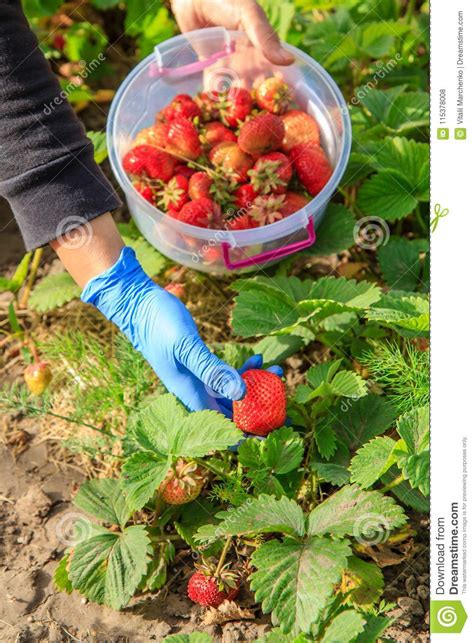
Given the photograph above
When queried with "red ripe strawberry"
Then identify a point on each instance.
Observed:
(215, 132)
(145, 159)
(183, 483)
(232, 159)
(199, 186)
(261, 134)
(181, 105)
(240, 222)
(267, 208)
(184, 170)
(208, 104)
(182, 139)
(145, 190)
(311, 165)
(274, 95)
(300, 127)
(37, 377)
(294, 201)
(203, 213)
(271, 173)
(208, 591)
(234, 106)
(59, 42)
(244, 196)
(175, 194)
(263, 408)
(178, 290)
(154, 135)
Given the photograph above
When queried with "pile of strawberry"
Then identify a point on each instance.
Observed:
(232, 160)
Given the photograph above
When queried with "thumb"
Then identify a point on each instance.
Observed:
(262, 35)
(215, 374)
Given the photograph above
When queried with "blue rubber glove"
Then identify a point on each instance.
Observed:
(162, 329)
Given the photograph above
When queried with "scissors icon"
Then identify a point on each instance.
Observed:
(439, 214)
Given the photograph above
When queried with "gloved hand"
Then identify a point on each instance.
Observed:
(162, 329)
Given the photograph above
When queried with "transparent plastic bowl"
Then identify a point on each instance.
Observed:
(215, 58)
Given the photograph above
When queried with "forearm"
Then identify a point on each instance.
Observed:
(47, 170)
(89, 250)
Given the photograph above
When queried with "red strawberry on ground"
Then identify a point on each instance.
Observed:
(261, 134)
(234, 106)
(214, 133)
(263, 408)
(183, 483)
(174, 194)
(230, 157)
(209, 591)
(145, 190)
(299, 127)
(274, 95)
(199, 186)
(203, 213)
(244, 195)
(182, 139)
(181, 105)
(267, 208)
(145, 159)
(294, 201)
(184, 170)
(271, 173)
(311, 166)
(37, 377)
(176, 289)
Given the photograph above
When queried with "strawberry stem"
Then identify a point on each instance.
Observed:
(223, 555)
(31, 277)
(393, 484)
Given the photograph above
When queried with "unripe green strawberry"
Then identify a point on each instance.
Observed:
(263, 408)
(37, 377)
(183, 483)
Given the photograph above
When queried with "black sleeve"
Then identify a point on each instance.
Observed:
(47, 169)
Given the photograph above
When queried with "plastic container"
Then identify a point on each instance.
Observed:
(215, 58)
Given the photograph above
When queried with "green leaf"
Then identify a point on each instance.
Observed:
(413, 427)
(276, 348)
(356, 422)
(264, 514)
(398, 109)
(400, 263)
(349, 511)
(417, 469)
(103, 498)
(294, 580)
(387, 194)
(40, 8)
(336, 470)
(335, 233)
(374, 629)
(281, 452)
(107, 567)
(402, 312)
(406, 494)
(344, 627)
(325, 381)
(364, 582)
(99, 141)
(61, 576)
(325, 438)
(165, 432)
(150, 24)
(85, 41)
(195, 515)
(194, 637)
(53, 291)
(104, 4)
(372, 461)
(152, 262)
(410, 158)
(280, 15)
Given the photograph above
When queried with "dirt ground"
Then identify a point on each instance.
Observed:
(37, 480)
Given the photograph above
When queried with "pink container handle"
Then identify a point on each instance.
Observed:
(199, 65)
(269, 255)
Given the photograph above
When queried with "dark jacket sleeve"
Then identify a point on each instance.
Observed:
(47, 169)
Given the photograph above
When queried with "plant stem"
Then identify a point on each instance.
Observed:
(213, 469)
(31, 277)
(221, 562)
(391, 485)
(69, 419)
(409, 11)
